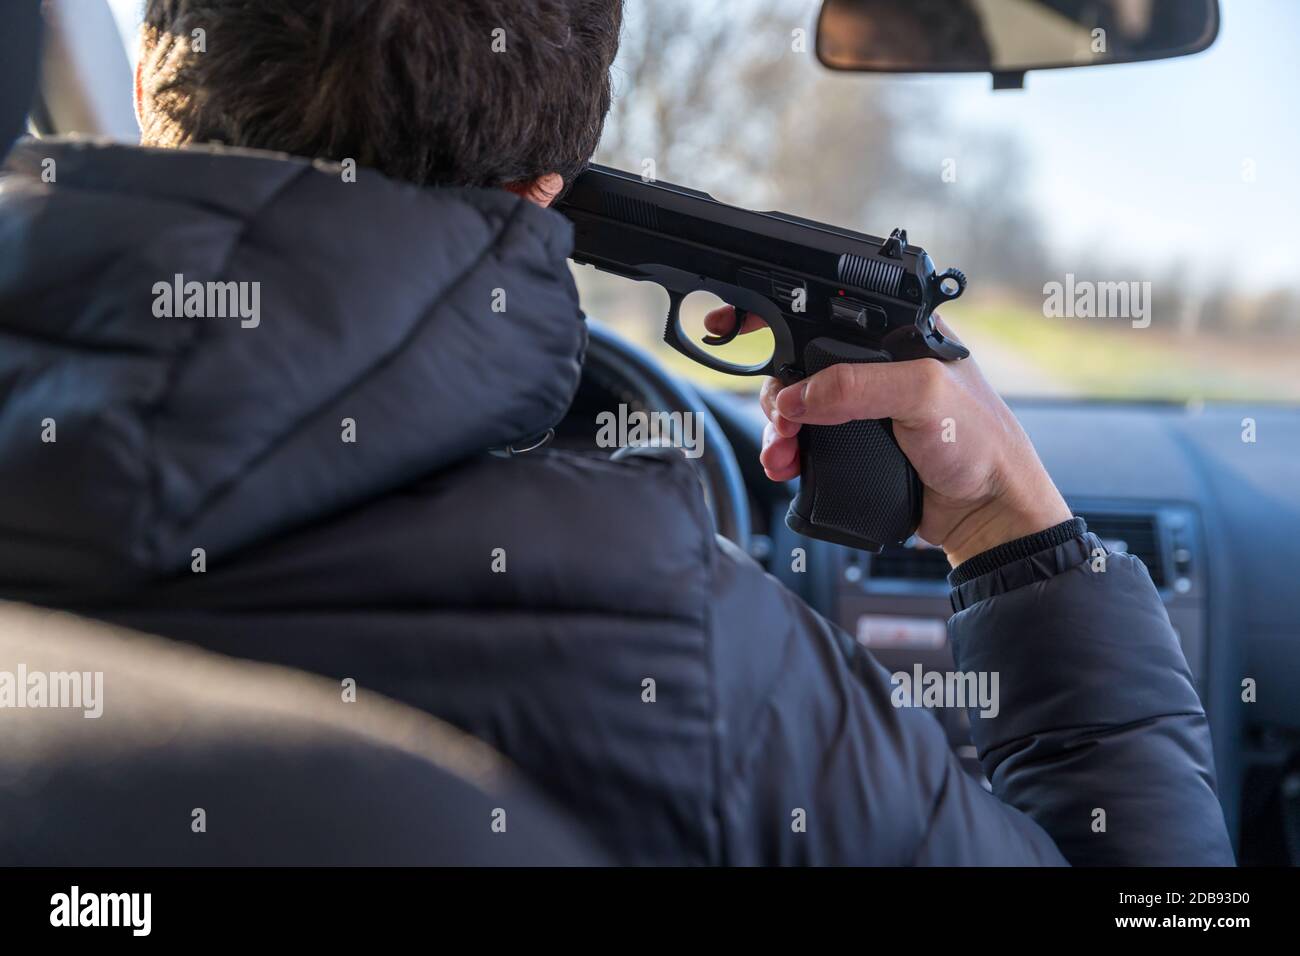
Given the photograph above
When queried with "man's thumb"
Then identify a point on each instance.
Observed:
(851, 391)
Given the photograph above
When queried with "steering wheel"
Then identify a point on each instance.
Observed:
(618, 372)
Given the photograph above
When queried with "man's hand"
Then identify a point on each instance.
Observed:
(984, 484)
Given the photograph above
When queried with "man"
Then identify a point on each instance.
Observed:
(304, 479)
(278, 765)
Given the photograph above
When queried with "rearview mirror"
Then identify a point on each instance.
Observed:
(1008, 37)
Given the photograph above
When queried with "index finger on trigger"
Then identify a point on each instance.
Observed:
(721, 320)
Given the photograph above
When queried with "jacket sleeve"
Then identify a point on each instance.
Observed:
(816, 765)
(1100, 737)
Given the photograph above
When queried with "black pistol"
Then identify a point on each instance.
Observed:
(828, 295)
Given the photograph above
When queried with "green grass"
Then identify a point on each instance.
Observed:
(1095, 358)
(1115, 360)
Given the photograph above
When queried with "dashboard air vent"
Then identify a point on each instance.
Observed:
(1137, 534)
(908, 563)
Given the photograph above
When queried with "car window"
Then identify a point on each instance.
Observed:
(1129, 231)
(1163, 184)
(129, 14)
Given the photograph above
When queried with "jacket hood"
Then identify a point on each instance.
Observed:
(202, 347)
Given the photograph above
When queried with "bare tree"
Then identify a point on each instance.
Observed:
(730, 98)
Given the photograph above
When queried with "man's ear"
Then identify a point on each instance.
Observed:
(139, 94)
(541, 190)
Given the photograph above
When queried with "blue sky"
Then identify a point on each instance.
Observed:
(1148, 157)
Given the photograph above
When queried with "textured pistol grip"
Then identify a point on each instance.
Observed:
(856, 487)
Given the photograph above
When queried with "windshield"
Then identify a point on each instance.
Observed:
(1163, 193)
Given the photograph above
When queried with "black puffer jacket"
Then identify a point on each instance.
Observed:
(374, 559)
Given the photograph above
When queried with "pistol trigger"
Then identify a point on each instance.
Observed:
(741, 315)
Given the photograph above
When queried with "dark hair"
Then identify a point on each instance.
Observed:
(418, 89)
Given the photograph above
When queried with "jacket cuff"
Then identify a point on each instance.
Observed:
(1035, 557)
(1003, 554)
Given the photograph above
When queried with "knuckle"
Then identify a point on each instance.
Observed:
(931, 380)
(831, 389)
